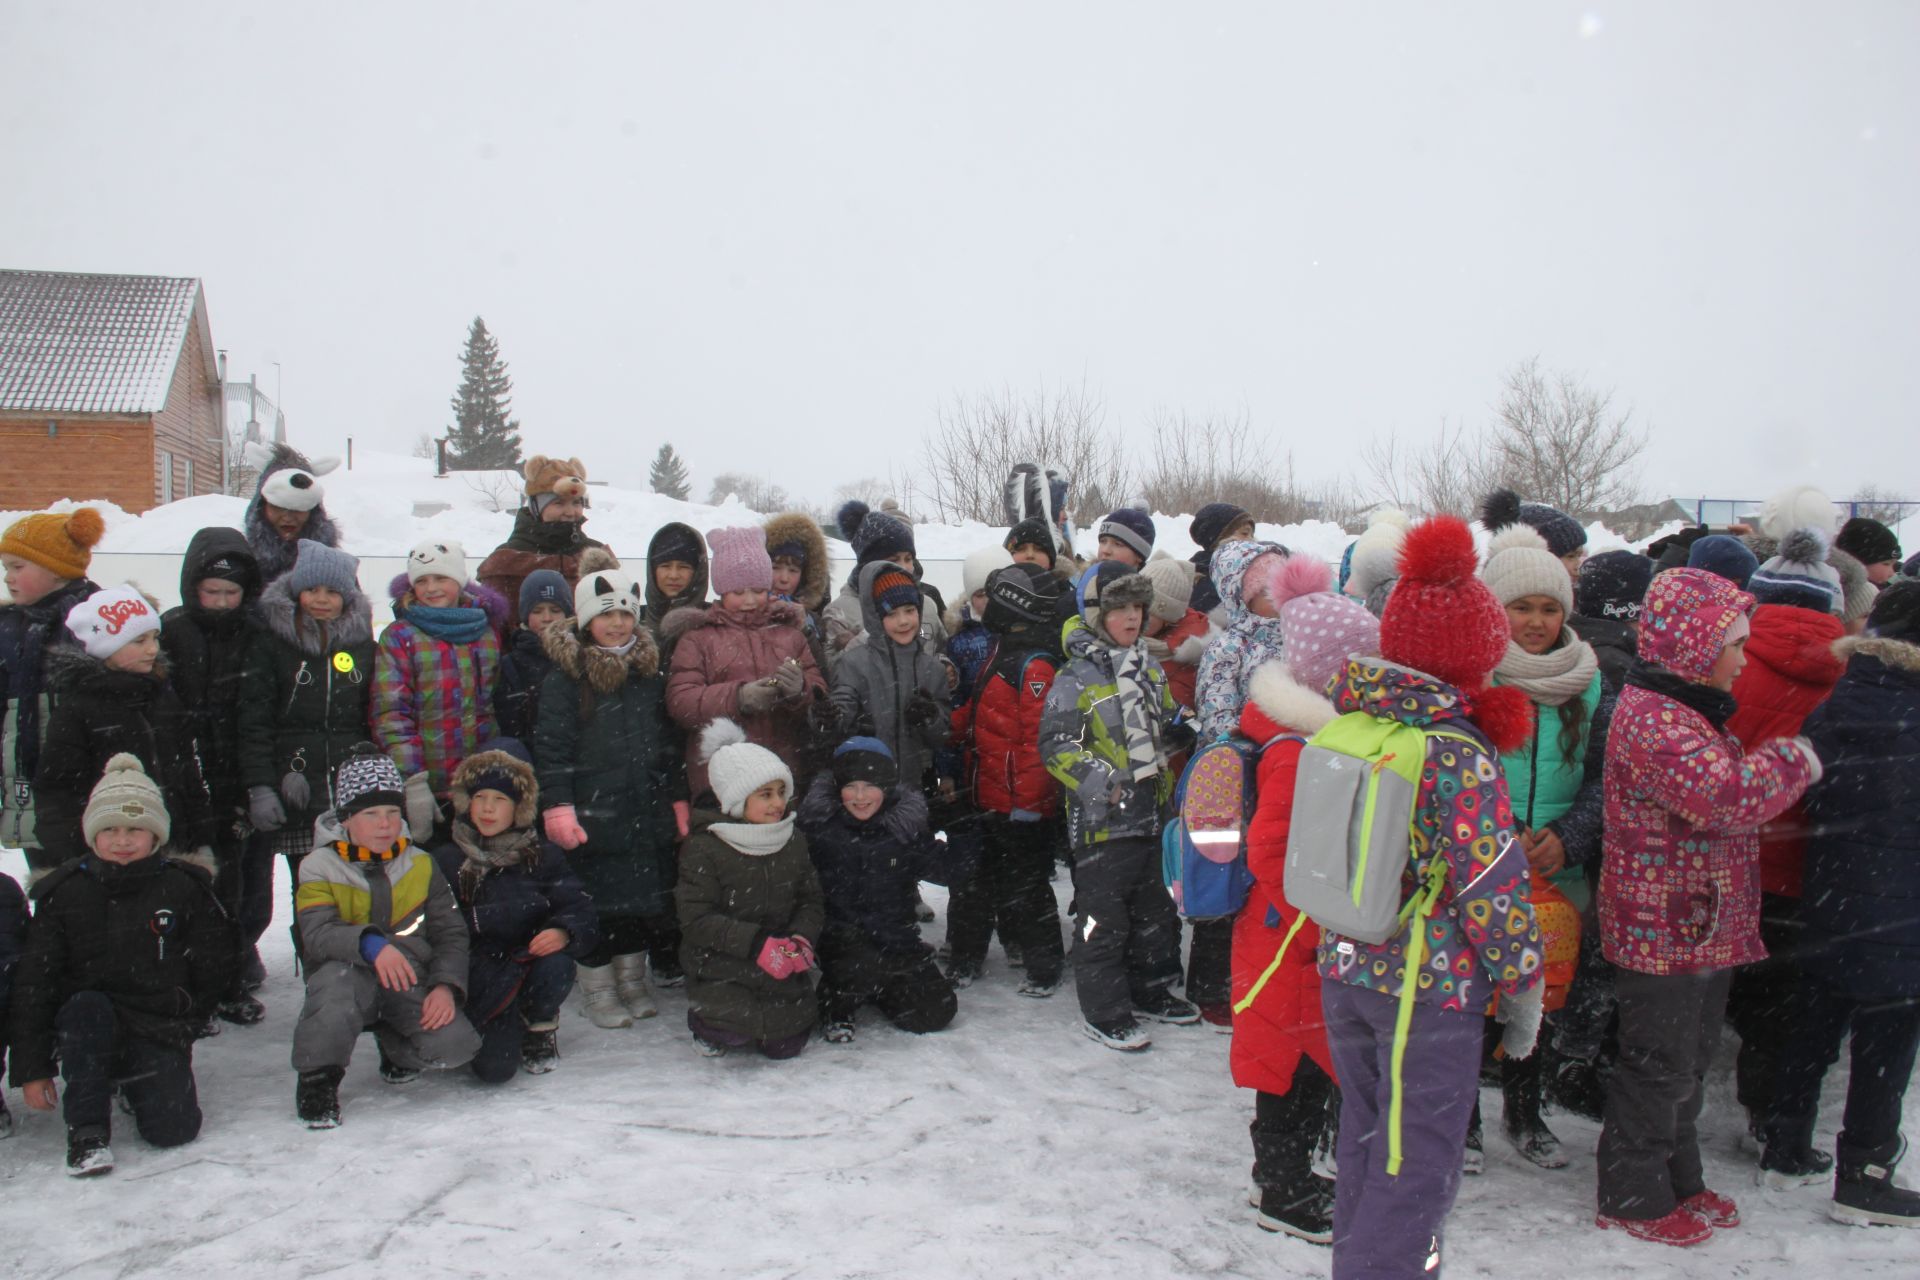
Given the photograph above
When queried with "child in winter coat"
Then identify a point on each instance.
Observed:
(127, 955)
(1791, 668)
(549, 534)
(750, 906)
(1279, 1038)
(613, 787)
(890, 684)
(1863, 958)
(383, 942)
(433, 677)
(1680, 894)
(304, 702)
(676, 579)
(545, 599)
(1107, 734)
(45, 558)
(876, 536)
(1441, 637)
(1213, 527)
(968, 640)
(528, 918)
(800, 570)
(1177, 633)
(1606, 599)
(108, 696)
(205, 641)
(745, 658)
(288, 507)
(1006, 782)
(870, 843)
(1554, 785)
(1253, 581)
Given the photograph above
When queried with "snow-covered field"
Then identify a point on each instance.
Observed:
(1006, 1146)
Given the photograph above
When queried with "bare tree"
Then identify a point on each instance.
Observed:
(497, 490)
(757, 492)
(1447, 475)
(1222, 459)
(1877, 503)
(424, 447)
(977, 439)
(1556, 440)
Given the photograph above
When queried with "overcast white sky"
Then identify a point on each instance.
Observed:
(781, 235)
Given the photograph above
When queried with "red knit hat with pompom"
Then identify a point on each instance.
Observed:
(1441, 618)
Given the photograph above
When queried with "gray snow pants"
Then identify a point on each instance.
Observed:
(1126, 936)
(345, 999)
(1390, 1225)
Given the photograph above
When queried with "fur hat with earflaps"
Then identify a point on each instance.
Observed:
(502, 767)
(1443, 621)
(1108, 585)
(795, 535)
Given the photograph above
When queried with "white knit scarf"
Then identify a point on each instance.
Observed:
(1552, 678)
(755, 839)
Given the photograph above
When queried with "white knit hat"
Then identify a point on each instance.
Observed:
(1519, 564)
(448, 559)
(109, 619)
(737, 768)
(606, 591)
(979, 566)
(126, 797)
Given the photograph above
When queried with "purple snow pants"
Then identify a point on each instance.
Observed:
(1389, 1227)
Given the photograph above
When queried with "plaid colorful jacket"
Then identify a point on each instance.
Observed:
(433, 700)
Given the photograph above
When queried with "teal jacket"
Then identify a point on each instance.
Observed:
(1563, 794)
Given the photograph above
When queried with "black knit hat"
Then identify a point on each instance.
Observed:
(676, 542)
(875, 535)
(1503, 507)
(1212, 522)
(1131, 525)
(1896, 614)
(1033, 530)
(1020, 595)
(1868, 541)
(865, 760)
(1613, 585)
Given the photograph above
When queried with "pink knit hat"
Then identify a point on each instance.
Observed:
(1684, 623)
(1319, 630)
(740, 561)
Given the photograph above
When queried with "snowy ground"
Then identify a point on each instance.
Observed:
(1007, 1146)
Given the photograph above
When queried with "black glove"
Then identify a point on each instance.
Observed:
(921, 709)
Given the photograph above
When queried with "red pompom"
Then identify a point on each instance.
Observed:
(1439, 550)
(1505, 714)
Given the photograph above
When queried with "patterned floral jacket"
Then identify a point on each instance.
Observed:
(1680, 876)
(1481, 936)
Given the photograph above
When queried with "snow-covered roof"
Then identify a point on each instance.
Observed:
(74, 343)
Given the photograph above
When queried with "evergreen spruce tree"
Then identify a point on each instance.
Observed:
(668, 475)
(483, 437)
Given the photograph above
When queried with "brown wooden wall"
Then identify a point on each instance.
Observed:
(189, 426)
(86, 458)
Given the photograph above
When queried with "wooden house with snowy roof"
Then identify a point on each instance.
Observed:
(109, 388)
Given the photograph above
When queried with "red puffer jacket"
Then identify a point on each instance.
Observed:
(1790, 670)
(1283, 1021)
(1001, 729)
(1179, 650)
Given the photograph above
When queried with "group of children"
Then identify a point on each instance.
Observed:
(553, 774)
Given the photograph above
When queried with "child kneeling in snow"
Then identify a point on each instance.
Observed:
(870, 843)
(374, 915)
(750, 906)
(529, 919)
(127, 955)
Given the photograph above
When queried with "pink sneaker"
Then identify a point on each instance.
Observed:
(1682, 1227)
(1712, 1207)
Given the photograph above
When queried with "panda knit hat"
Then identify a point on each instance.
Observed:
(126, 797)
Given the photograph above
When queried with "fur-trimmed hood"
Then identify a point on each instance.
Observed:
(1288, 703)
(280, 614)
(603, 672)
(481, 762)
(1898, 654)
(815, 578)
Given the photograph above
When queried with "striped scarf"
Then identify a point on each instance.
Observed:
(350, 852)
(1137, 711)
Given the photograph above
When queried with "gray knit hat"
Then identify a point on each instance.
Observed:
(1799, 575)
(318, 565)
(126, 797)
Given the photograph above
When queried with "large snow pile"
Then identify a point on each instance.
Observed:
(1006, 1146)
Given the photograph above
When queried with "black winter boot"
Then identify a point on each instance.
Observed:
(88, 1154)
(1474, 1158)
(1287, 1194)
(1578, 1087)
(1522, 1081)
(391, 1071)
(1864, 1193)
(1788, 1157)
(539, 1049)
(316, 1099)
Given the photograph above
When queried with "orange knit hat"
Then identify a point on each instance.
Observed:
(60, 542)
